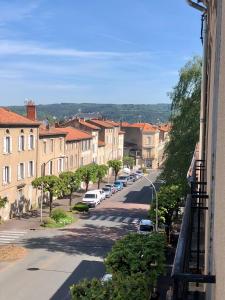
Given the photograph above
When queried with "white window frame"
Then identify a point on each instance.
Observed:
(29, 142)
(4, 181)
(29, 169)
(60, 165)
(20, 144)
(19, 171)
(5, 148)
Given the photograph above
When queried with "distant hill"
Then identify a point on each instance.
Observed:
(152, 113)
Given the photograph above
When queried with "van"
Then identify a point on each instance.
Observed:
(92, 198)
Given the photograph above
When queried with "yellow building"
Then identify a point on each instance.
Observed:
(19, 148)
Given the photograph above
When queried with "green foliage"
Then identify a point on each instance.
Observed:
(116, 165)
(132, 287)
(71, 182)
(128, 161)
(152, 113)
(87, 174)
(169, 198)
(50, 223)
(185, 124)
(137, 253)
(3, 202)
(101, 172)
(51, 184)
(81, 207)
(60, 216)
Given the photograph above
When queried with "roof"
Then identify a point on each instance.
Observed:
(50, 132)
(122, 132)
(101, 123)
(8, 117)
(73, 134)
(165, 127)
(112, 123)
(101, 143)
(146, 127)
(83, 122)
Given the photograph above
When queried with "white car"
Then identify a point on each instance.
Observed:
(145, 226)
(106, 277)
(92, 198)
(102, 193)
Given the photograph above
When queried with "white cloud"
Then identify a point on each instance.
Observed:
(8, 47)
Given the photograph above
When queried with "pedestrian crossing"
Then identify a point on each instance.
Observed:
(118, 219)
(8, 237)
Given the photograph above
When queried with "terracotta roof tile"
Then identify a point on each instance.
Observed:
(82, 122)
(112, 123)
(145, 126)
(122, 132)
(100, 123)
(74, 134)
(12, 118)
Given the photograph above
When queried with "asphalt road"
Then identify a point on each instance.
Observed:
(58, 258)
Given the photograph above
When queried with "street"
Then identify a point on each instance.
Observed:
(58, 258)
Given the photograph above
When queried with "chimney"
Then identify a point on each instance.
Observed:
(31, 110)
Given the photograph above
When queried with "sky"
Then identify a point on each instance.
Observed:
(102, 51)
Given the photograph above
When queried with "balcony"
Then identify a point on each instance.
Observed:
(188, 267)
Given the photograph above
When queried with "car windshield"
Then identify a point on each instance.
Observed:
(146, 228)
(106, 189)
(117, 182)
(123, 177)
(89, 196)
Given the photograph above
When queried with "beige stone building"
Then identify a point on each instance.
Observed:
(18, 161)
(208, 259)
(145, 142)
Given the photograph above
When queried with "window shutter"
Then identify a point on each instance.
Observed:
(25, 142)
(19, 143)
(28, 169)
(33, 168)
(10, 174)
(10, 144)
(3, 175)
(29, 137)
(34, 142)
(58, 165)
(4, 145)
(24, 170)
(18, 172)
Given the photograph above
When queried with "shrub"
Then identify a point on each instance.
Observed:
(50, 223)
(62, 217)
(144, 170)
(81, 207)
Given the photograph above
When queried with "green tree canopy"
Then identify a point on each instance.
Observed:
(132, 287)
(169, 199)
(116, 165)
(185, 124)
(137, 253)
(87, 174)
(51, 184)
(71, 182)
(128, 161)
(101, 172)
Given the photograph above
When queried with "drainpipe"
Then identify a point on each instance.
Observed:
(202, 135)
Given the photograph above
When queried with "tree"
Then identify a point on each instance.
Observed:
(185, 124)
(128, 161)
(3, 201)
(51, 184)
(132, 287)
(101, 172)
(87, 174)
(71, 182)
(116, 165)
(169, 198)
(137, 253)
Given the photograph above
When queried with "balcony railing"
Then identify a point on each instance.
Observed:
(188, 264)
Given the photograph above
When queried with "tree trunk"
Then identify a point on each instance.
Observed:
(87, 184)
(50, 204)
(116, 173)
(70, 200)
(99, 182)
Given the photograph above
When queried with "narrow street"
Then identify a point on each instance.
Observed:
(59, 257)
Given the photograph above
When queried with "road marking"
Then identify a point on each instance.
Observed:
(102, 218)
(135, 221)
(93, 217)
(7, 237)
(117, 219)
(127, 220)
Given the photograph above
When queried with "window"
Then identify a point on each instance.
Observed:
(31, 142)
(21, 143)
(6, 176)
(60, 165)
(21, 171)
(50, 167)
(7, 144)
(149, 140)
(52, 145)
(60, 144)
(45, 146)
(31, 168)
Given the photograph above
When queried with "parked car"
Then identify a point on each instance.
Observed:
(145, 226)
(102, 193)
(92, 198)
(135, 176)
(132, 178)
(108, 191)
(118, 184)
(114, 190)
(123, 179)
(106, 277)
(140, 173)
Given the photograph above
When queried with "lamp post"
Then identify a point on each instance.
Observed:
(42, 188)
(156, 202)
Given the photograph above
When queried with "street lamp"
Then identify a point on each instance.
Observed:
(42, 188)
(156, 202)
